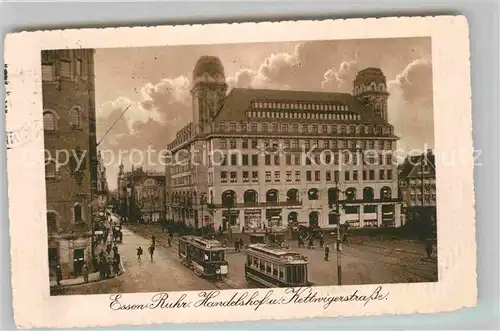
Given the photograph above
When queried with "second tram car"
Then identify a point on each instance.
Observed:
(275, 267)
(206, 257)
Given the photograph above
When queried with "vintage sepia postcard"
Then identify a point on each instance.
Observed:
(233, 172)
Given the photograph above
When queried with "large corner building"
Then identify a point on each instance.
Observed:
(69, 128)
(257, 158)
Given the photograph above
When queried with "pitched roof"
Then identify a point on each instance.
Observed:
(239, 100)
(412, 161)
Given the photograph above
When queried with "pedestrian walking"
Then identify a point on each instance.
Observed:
(327, 252)
(116, 262)
(139, 253)
(153, 239)
(58, 274)
(429, 247)
(85, 272)
(102, 267)
(151, 251)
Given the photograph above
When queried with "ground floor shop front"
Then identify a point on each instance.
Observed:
(70, 252)
(260, 218)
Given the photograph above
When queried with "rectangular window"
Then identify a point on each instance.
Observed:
(309, 176)
(223, 144)
(275, 127)
(253, 127)
(295, 128)
(268, 176)
(297, 176)
(307, 144)
(315, 128)
(284, 127)
(354, 175)
(305, 128)
(276, 176)
(372, 174)
(234, 160)
(244, 144)
(317, 176)
(79, 68)
(295, 144)
(47, 72)
(365, 175)
(233, 177)
(255, 176)
(232, 128)
(297, 159)
(347, 175)
(288, 158)
(267, 159)
(232, 143)
(223, 176)
(381, 174)
(328, 176)
(264, 127)
(276, 160)
(245, 159)
(255, 160)
(286, 143)
(65, 69)
(389, 174)
(255, 143)
(288, 176)
(388, 159)
(245, 176)
(336, 176)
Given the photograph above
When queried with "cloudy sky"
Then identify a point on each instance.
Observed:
(155, 83)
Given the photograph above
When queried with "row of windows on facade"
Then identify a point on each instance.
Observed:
(66, 69)
(291, 159)
(50, 119)
(52, 217)
(305, 143)
(304, 115)
(296, 105)
(306, 128)
(229, 197)
(368, 175)
(426, 181)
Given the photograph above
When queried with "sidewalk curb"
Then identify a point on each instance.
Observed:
(83, 283)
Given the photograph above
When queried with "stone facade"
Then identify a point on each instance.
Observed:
(272, 157)
(71, 156)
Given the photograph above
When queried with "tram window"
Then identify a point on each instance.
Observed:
(275, 271)
(289, 274)
(281, 273)
(255, 262)
(261, 266)
(249, 260)
(268, 267)
(217, 256)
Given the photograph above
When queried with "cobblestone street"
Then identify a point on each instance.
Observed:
(367, 263)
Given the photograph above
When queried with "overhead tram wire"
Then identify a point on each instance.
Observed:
(112, 125)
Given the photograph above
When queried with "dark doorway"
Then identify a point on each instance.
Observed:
(78, 260)
(313, 219)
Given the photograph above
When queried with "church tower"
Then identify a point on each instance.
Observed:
(370, 88)
(208, 91)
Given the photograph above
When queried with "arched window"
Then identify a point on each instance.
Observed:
(250, 197)
(51, 221)
(75, 117)
(49, 121)
(313, 219)
(77, 213)
(272, 196)
(368, 194)
(228, 198)
(292, 196)
(293, 217)
(385, 193)
(313, 194)
(50, 169)
(350, 194)
(332, 195)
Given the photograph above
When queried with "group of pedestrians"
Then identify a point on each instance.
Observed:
(109, 262)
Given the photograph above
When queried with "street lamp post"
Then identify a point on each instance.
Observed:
(203, 199)
(339, 248)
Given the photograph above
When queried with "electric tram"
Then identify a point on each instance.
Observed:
(206, 257)
(271, 266)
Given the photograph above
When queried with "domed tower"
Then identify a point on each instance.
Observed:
(208, 91)
(370, 87)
